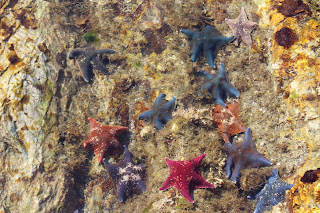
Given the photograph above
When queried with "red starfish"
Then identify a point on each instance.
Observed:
(228, 120)
(186, 176)
(104, 139)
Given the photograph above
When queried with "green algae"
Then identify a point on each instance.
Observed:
(91, 37)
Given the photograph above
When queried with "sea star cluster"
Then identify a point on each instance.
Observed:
(185, 175)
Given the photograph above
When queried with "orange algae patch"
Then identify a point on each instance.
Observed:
(305, 194)
(297, 72)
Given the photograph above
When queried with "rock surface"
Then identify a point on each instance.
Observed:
(45, 103)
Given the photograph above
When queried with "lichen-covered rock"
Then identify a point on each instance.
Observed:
(45, 103)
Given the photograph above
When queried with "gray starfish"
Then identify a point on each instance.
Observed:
(218, 86)
(160, 113)
(207, 42)
(88, 59)
(272, 193)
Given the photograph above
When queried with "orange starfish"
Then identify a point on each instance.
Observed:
(104, 139)
(228, 120)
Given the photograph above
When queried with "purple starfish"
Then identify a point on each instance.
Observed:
(243, 155)
(127, 178)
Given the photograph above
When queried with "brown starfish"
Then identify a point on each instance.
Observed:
(241, 27)
(228, 120)
(104, 139)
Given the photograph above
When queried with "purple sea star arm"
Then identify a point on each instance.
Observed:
(248, 142)
(127, 156)
(229, 165)
(236, 171)
(121, 192)
(257, 160)
(112, 169)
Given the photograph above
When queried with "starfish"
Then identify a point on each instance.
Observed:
(243, 155)
(207, 42)
(228, 120)
(160, 113)
(218, 86)
(272, 193)
(87, 55)
(104, 139)
(127, 178)
(241, 28)
(186, 176)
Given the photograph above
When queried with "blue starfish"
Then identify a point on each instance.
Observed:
(272, 193)
(160, 113)
(243, 155)
(218, 86)
(127, 178)
(207, 42)
(87, 55)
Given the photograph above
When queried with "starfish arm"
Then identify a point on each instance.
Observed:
(196, 51)
(183, 188)
(169, 106)
(211, 31)
(207, 85)
(238, 165)
(200, 183)
(248, 142)
(188, 33)
(105, 51)
(141, 186)
(147, 115)
(160, 99)
(158, 123)
(112, 169)
(224, 41)
(210, 54)
(229, 165)
(100, 66)
(205, 74)
(94, 124)
(166, 117)
(122, 191)
(247, 39)
(127, 156)
(261, 206)
(172, 163)
(86, 69)
(218, 95)
(230, 89)
(168, 183)
(257, 160)
(197, 160)
(76, 52)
